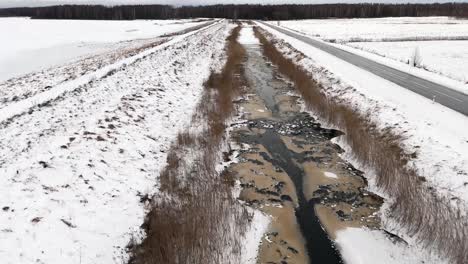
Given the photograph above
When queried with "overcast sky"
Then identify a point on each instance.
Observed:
(13, 3)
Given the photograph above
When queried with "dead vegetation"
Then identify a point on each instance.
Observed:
(195, 218)
(416, 206)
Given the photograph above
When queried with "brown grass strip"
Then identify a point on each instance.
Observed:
(416, 206)
(195, 219)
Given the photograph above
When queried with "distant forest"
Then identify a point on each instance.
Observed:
(267, 12)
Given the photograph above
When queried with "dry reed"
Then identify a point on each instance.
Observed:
(195, 219)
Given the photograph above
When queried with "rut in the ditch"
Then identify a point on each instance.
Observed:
(281, 172)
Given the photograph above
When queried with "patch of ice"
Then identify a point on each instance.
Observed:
(330, 175)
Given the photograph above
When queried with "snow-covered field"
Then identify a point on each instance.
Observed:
(436, 133)
(75, 165)
(448, 58)
(81, 143)
(31, 44)
(391, 41)
(378, 29)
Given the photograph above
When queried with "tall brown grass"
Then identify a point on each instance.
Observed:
(417, 207)
(195, 218)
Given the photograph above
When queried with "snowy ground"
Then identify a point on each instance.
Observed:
(378, 29)
(75, 164)
(386, 40)
(34, 44)
(448, 58)
(436, 133)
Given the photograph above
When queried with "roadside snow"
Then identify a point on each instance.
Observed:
(448, 58)
(75, 169)
(436, 133)
(35, 44)
(435, 77)
(431, 76)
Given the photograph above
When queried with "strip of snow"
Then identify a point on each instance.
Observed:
(24, 105)
(74, 172)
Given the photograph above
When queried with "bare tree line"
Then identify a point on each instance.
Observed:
(268, 12)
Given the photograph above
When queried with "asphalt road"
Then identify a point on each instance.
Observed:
(441, 94)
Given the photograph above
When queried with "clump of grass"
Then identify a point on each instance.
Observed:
(424, 213)
(195, 219)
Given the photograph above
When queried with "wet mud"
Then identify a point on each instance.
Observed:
(289, 169)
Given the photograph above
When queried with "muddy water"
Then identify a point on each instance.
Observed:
(290, 170)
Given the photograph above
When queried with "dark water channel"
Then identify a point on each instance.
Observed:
(261, 76)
